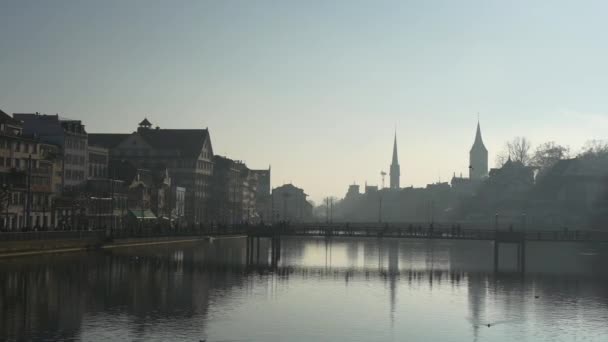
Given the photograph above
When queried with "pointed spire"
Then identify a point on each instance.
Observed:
(395, 158)
(395, 172)
(478, 139)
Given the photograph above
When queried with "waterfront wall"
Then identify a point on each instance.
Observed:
(47, 242)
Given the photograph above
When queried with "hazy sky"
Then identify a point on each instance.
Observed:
(316, 88)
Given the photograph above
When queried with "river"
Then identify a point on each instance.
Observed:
(318, 290)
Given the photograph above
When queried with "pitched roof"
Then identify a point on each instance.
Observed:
(189, 141)
(107, 140)
(145, 123)
(5, 118)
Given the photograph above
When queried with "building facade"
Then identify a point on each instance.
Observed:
(290, 204)
(27, 174)
(187, 154)
(69, 135)
(263, 203)
(98, 160)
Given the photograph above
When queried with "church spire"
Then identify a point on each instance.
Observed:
(478, 157)
(478, 140)
(395, 170)
(395, 158)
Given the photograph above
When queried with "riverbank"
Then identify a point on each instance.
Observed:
(9, 249)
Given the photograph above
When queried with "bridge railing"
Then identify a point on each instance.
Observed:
(425, 231)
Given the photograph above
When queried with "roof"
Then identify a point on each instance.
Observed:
(188, 141)
(5, 118)
(107, 140)
(478, 140)
(395, 158)
(145, 123)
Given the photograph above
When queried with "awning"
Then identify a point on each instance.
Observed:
(142, 214)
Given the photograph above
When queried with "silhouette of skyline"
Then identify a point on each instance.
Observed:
(314, 88)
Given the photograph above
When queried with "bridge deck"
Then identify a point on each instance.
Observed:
(452, 233)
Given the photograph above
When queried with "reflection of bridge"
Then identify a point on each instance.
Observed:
(412, 231)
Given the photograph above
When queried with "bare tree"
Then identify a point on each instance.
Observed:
(594, 148)
(547, 154)
(518, 150)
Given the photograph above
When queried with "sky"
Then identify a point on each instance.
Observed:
(316, 89)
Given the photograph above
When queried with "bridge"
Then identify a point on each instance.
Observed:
(417, 231)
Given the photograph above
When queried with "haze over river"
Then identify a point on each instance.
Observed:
(320, 290)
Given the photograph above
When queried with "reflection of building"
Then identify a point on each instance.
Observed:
(290, 204)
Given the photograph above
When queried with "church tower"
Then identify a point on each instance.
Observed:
(395, 171)
(478, 158)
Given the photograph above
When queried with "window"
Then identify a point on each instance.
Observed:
(17, 163)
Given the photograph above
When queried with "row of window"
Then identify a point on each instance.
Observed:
(74, 174)
(18, 163)
(98, 158)
(18, 198)
(202, 165)
(78, 144)
(19, 146)
(72, 159)
(97, 171)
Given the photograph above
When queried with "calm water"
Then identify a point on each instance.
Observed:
(343, 290)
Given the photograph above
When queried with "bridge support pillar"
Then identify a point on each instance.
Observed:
(275, 251)
(258, 250)
(496, 255)
(520, 255)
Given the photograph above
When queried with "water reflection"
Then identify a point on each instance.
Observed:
(210, 290)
